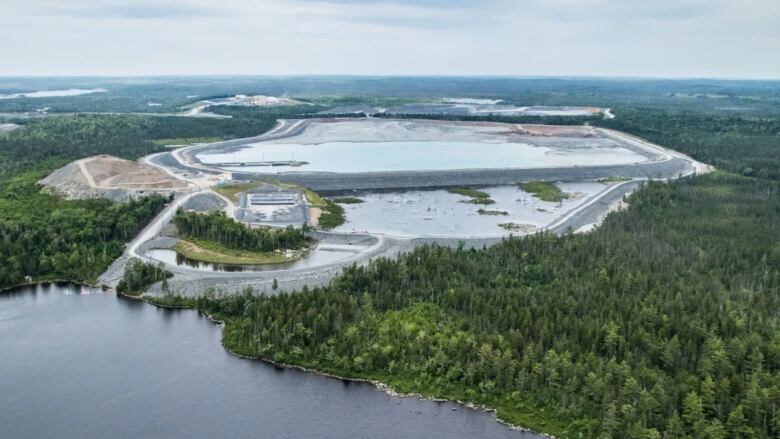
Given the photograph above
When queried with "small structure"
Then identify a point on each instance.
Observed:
(274, 199)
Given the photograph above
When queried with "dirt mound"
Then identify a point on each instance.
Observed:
(557, 130)
(110, 177)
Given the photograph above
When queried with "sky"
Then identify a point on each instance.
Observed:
(648, 38)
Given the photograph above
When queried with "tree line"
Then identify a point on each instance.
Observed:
(216, 227)
(46, 237)
(139, 276)
(664, 321)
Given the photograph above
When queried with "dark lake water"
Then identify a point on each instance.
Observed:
(77, 363)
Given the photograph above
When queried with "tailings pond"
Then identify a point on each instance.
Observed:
(438, 213)
(78, 363)
(418, 156)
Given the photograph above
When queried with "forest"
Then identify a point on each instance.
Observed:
(46, 237)
(139, 276)
(135, 94)
(217, 227)
(661, 323)
(746, 145)
(56, 140)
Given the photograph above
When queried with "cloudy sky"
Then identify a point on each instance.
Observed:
(670, 38)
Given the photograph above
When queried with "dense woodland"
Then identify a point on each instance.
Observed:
(217, 227)
(46, 237)
(664, 322)
(136, 94)
(62, 138)
(661, 323)
(139, 276)
(747, 145)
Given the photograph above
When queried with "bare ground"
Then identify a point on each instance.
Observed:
(110, 177)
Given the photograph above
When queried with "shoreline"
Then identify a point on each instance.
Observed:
(382, 387)
(4, 290)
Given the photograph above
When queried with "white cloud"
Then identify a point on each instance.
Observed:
(723, 38)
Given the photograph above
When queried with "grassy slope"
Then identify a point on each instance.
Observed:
(206, 251)
(231, 191)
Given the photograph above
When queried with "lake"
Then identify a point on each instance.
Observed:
(79, 363)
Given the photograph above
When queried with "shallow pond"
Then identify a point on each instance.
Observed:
(416, 156)
(82, 364)
(440, 213)
(313, 258)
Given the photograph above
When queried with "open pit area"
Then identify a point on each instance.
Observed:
(110, 177)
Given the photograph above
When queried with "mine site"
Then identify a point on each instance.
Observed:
(390, 219)
(368, 187)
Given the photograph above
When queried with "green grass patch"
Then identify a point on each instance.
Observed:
(347, 200)
(185, 140)
(476, 197)
(208, 251)
(315, 199)
(544, 191)
(483, 201)
(468, 192)
(611, 180)
(231, 191)
(492, 212)
(332, 215)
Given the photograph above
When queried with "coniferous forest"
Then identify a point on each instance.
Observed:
(46, 237)
(661, 323)
(217, 227)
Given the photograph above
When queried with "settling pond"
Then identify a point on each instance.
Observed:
(438, 213)
(78, 363)
(313, 258)
(418, 156)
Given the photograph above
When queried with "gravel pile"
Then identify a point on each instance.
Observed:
(205, 202)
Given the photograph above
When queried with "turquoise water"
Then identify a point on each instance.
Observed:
(416, 156)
